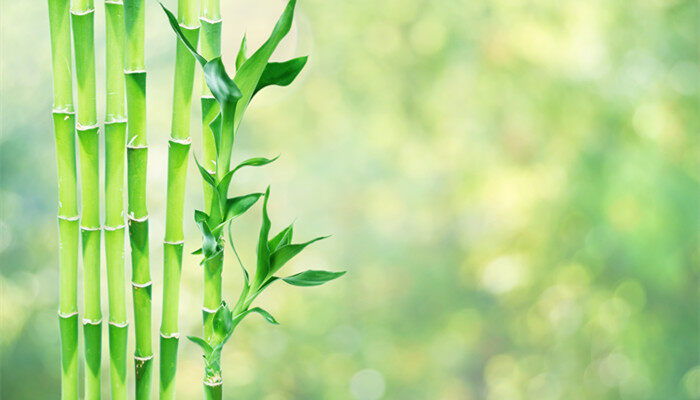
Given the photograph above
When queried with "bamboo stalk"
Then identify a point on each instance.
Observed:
(210, 47)
(178, 153)
(82, 18)
(137, 159)
(115, 142)
(68, 217)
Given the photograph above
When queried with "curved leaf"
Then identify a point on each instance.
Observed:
(263, 264)
(254, 162)
(241, 56)
(285, 253)
(248, 75)
(223, 321)
(312, 277)
(281, 73)
(236, 206)
(178, 31)
(202, 344)
(206, 175)
(282, 238)
(221, 85)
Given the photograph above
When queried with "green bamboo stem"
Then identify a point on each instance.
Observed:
(178, 154)
(213, 391)
(137, 160)
(210, 47)
(115, 142)
(82, 18)
(68, 217)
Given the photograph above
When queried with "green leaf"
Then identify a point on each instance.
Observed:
(202, 344)
(263, 265)
(223, 321)
(281, 73)
(176, 27)
(215, 126)
(197, 252)
(245, 272)
(206, 175)
(254, 162)
(282, 238)
(221, 85)
(209, 244)
(312, 277)
(268, 317)
(236, 206)
(241, 56)
(249, 74)
(285, 253)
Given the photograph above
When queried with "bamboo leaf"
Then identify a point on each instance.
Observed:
(178, 31)
(312, 277)
(202, 344)
(245, 272)
(254, 162)
(223, 321)
(282, 238)
(263, 264)
(241, 56)
(285, 253)
(209, 245)
(236, 206)
(268, 317)
(281, 73)
(206, 175)
(221, 85)
(249, 74)
(215, 126)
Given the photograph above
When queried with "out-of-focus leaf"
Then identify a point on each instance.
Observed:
(241, 56)
(248, 75)
(282, 238)
(312, 277)
(281, 73)
(285, 253)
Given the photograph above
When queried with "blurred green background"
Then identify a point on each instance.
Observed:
(512, 185)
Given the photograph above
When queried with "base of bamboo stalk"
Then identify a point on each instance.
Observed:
(168, 365)
(118, 334)
(92, 331)
(68, 325)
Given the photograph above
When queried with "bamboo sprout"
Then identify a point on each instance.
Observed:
(115, 141)
(178, 153)
(68, 217)
(82, 17)
(137, 158)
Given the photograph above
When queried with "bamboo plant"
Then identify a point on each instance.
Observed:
(115, 142)
(68, 217)
(82, 18)
(137, 158)
(178, 154)
(232, 97)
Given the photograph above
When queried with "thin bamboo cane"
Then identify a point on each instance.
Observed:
(210, 47)
(82, 17)
(137, 158)
(178, 153)
(68, 217)
(115, 142)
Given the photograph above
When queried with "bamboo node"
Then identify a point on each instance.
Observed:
(134, 219)
(141, 285)
(134, 71)
(114, 228)
(116, 2)
(67, 218)
(91, 228)
(189, 28)
(208, 310)
(211, 21)
(82, 12)
(206, 96)
(178, 243)
(174, 335)
(185, 142)
(143, 359)
(68, 315)
(63, 111)
(213, 384)
(83, 128)
(87, 321)
(119, 324)
(119, 120)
